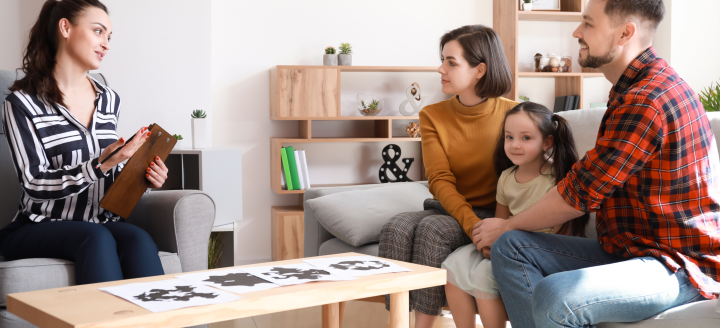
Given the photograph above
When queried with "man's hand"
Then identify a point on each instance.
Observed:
(487, 231)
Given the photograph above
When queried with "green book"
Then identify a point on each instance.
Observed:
(286, 168)
(293, 167)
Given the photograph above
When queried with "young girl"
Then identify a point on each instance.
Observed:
(526, 174)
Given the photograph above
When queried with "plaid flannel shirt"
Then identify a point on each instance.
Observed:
(652, 177)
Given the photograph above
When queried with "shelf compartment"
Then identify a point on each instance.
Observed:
(550, 16)
(275, 159)
(287, 228)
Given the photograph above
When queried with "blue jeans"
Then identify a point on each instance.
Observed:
(101, 252)
(548, 280)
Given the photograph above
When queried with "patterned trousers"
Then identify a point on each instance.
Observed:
(425, 238)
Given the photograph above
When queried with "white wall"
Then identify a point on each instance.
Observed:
(695, 37)
(159, 62)
(16, 19)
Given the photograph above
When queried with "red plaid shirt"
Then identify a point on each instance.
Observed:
(652, 177)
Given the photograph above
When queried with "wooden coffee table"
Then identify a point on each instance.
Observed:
(87, 307)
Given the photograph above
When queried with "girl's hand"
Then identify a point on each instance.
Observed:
(157, 173)
(486, 252)
(140, 137)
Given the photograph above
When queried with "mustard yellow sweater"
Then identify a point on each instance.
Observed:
(458, 143)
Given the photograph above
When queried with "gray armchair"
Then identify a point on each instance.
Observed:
(180, 222)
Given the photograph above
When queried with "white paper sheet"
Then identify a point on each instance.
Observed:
(166, 295)
(355, 266)
(293, 274)
(232, 280)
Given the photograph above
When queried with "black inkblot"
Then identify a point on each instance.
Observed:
(237, 279)
(287, 273)
(164, 295)
(360, 265)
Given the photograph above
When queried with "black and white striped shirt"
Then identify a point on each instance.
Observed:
(55, 156)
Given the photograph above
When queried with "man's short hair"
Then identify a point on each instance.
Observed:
(648, 11)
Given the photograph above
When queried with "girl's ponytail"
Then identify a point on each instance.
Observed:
(564, 156)
(39, 55)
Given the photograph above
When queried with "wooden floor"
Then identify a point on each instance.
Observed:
(357, 315)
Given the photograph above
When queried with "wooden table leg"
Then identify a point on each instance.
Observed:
(331, 315)
(342, 312)
(399, 310)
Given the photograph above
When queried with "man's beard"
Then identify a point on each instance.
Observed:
(597, 61)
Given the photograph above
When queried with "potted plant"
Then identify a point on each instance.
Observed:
(345, 57)
(369, 105)
(710, 98)
(199, 128)
(527, 5)
(330, 58)
(178, 144)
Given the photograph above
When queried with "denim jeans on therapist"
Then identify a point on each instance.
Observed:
(548, 280)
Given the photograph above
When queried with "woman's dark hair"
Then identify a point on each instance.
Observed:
(563, 155)
(482, 44)
(39, 56)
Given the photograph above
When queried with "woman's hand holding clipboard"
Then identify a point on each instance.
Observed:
(121, 150)
(141, 170)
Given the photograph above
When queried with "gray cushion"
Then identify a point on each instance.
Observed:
(337, 246)
(695, 315)
(356, 217)
(45, 273)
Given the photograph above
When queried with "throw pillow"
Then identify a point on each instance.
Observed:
(357, 217)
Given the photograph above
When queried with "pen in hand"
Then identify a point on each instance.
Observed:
(140, 142)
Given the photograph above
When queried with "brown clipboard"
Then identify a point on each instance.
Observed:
(131, 183)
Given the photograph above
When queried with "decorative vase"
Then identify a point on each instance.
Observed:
(344, 60)
(330, 60)
(199, 130)
(527, 6)
(178, 145)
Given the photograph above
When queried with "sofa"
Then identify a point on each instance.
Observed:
(179, 221)
(585, 123)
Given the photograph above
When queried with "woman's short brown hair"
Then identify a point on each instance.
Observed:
(482, 44)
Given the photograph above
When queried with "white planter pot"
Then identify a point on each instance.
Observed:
(344, 60)
(178, 145)
(199, 132)
(527, 6)
(330, 60)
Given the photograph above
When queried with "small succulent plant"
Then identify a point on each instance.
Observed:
(373, 105)
(345, 49)
(710, 98)
(198, 113)
(527, 1)
(178, 137)
(524, 99)
(329, 51)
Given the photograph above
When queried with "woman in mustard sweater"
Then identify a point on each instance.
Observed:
(458, 140)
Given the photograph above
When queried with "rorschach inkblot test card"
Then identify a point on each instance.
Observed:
(173, 294)
(355, 266)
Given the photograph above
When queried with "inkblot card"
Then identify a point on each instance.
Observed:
(232, 280)
(355, 266)
(173, 294)
(293, 274)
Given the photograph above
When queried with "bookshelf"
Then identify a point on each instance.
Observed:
(506, 18)
(312, 93)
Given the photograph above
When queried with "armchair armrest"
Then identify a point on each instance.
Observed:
(179, 221)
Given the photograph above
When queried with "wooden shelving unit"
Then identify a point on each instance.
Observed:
(506, 18)
(306, 94)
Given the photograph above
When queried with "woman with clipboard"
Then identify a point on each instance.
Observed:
(61, 124)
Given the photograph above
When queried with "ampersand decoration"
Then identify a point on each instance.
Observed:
(414, 99)
(390, 165)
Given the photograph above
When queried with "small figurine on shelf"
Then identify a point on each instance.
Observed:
(412, 94)
(330, 58)
(413, 130)
(345, 57)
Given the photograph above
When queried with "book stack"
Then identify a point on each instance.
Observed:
(294, 173)
(566, 103)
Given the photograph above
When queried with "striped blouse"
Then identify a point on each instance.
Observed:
(55, 156)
